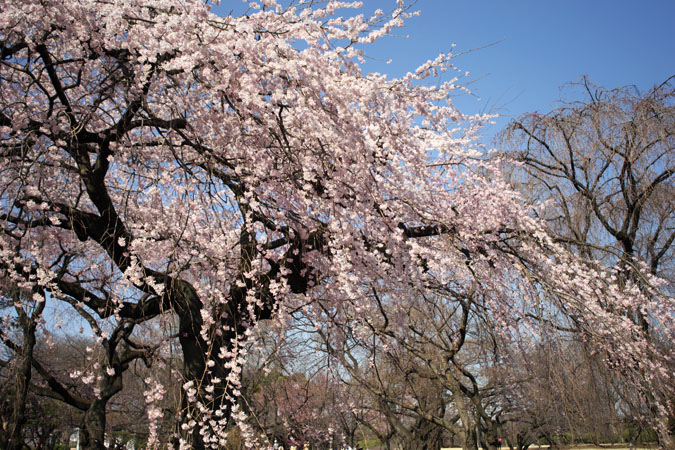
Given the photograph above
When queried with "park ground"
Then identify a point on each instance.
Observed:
(579, 447)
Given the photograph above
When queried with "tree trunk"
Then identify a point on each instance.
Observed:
(21, 382)
(94, 420)
(22, 377)
(196, 353)
(489, 433)
(93, 430)
(469, 439)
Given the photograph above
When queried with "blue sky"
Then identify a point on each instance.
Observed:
(539, 45)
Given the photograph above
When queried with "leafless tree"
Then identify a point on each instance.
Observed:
(605, 165)
(424, 379)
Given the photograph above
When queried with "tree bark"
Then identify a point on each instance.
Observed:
(93, 430)
(469, 438)
(14, 436)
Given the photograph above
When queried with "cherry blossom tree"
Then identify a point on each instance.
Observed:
(161, 161)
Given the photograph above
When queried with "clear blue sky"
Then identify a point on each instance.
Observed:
(539, 45)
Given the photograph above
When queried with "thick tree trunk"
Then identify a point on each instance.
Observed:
(489, 434)
(196, 354)
(468, 435)
(201, 360)
(22, 379)
(92, 436)
(424, 434)
(94, 420)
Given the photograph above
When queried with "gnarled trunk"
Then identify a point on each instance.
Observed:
(92, 436)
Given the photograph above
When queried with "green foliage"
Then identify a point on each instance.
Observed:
(368, 443)
(648, 435)
(645, 436)
(590, 438)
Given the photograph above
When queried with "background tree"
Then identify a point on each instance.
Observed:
(558, 393)
(450, 368)
(28, 316)
(605, 166)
